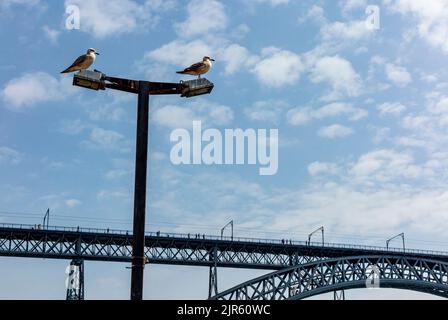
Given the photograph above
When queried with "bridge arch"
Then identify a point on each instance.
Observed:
(318, 277)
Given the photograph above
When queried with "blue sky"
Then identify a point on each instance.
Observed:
(362, 117)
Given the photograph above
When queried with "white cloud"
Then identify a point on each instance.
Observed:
(34, 88)
(266, 111)
(73, 203)
(73, 127)
(398, 75)
(315, 13)
(113, 194)
(174, 117)
(181, 53)
(204, 16)
(440, 106)
(385, 166)
(337, 109)
(236, 58)
(339, 74)
(101, 139)
(51, 34)
(7, 3)
(104, 18)
(431, 25)
(352, 30)
(109, 112)
(322, 168)
(271, 2)
(210, 113)
(391, 108)
(349, 5)
(9, 156)
(117, 174)
(300, 116)
(278, 67)
(335, 131)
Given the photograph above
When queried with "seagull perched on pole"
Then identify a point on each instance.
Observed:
(83, 62)
(199, 68)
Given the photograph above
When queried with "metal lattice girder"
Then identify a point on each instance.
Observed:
(303, 281)
(175, 249)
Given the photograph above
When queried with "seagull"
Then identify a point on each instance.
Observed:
(83, 62)
(199, 68)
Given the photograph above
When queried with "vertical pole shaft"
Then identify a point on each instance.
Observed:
(138, 243)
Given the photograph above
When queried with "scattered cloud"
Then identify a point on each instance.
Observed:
(73, 203)
(236, 58)
(30, 89)
(335, 131)
(266, 111)
(30, 3)
(431, 25)
(273, 3)
(352, 30)
(105, 18)
(349, 5)
(108, 140)
(210, 113)
(278, 67)
(394, 108)
(180, 52)
(9, 156)
(51, 34)
(339, 74)
(384, 166)
(204, 16)
(322, 168)
(398, 75)
(301, 116)
(73, 127)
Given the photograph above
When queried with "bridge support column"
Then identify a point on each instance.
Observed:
(339, 295)
(75, 280)
(213, 275)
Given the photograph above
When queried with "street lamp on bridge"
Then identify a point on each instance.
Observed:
(401, 235)
(321, 229)
(96, 80)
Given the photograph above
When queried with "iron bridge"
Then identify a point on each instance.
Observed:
(302, 269)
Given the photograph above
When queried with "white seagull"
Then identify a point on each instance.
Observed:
(83, 62)
(199, 68)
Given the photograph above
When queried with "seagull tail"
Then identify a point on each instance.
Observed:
(69, 69)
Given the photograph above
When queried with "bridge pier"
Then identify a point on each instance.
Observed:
(213, 274)
(339, 295)
(75, 280)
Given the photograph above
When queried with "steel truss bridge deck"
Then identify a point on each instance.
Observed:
(182, 249)
(301, 269)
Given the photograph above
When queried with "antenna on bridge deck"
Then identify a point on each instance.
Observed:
(315, 231)
(231, 226)
(46, 222)
(401, 235)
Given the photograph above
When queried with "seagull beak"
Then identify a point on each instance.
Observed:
(97, 53)
(212, 59)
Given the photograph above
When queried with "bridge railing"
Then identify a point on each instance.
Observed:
(194, 236)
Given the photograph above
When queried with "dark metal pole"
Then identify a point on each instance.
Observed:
(138, 244)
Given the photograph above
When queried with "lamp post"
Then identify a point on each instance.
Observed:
(96, 80)
(321, 229)
(401, 235)
(231, 228)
